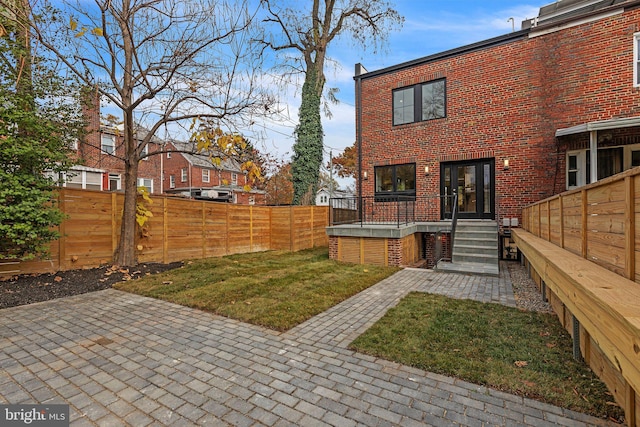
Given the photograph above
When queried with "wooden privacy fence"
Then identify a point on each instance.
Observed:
(179, 229)
(582, 250)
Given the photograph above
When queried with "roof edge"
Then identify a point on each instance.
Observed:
(484, 44)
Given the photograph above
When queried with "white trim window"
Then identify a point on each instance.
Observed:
(168, 154)
(576, 165)
(172, 181)
(108, 144)
(205, 175)
(183, 175)
(147, 183)
(145, 152)
(234, 178)
(611, 160)
(636, 60)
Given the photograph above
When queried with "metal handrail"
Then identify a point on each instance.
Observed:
(454, 222)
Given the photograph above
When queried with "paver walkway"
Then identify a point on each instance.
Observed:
(121, 359)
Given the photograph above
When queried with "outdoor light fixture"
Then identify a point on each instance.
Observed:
(365, 175)
(426, 170)
(506, 164)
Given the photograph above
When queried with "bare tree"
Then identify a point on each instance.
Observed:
(164, 64)
(308, 32)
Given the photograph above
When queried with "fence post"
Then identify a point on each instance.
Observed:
(561, 210)
(62, 243)
(204, 230)
(629, 226)
(291, 224)
(583, 230)
(114, 213)
(251, 228)
(165, 230)
(313, 229)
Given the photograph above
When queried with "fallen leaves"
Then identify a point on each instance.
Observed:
(521, 363)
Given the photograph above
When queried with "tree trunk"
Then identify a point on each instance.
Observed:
(126, 253)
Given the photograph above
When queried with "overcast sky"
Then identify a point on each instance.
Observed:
(430, 27)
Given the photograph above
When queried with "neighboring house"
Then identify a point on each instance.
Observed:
(511, 120)
(100, 155)
(194, 175)
(323, 195)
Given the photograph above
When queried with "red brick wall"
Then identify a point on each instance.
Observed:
(506, 102)
(89, 149)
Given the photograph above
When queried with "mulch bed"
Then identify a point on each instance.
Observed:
(30, 288)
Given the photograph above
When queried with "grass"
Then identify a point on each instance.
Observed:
(525, 353)
(278, 290)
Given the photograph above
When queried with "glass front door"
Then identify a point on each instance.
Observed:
(474, 182)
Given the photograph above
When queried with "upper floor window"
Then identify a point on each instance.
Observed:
(396, 180)
(636, 59)
(205, 175)
(172, 181)
(168, 154)
(145, 152)
(108, 144)
(183, 175)
(425, 101)
(234, 178)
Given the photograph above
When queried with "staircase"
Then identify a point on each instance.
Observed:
(475, 249)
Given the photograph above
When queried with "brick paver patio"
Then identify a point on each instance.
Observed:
(121, 359)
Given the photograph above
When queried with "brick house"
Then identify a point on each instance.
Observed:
(100, 155)
(194, 175)
(506, 121)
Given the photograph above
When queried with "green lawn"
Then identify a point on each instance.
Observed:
(519, 352)
(278, 290)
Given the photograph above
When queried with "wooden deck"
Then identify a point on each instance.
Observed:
(581, 247)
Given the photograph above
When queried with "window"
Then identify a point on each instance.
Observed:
(426, 101)
(611, 160)
(145, 152)
(115, 182)
(169, 155)
(636, 59)
(403, 107)
(433, 100)
(183, 175)
(172, 181)
(108, 144)
(147, 183)
(396, 180)
(205, 175)
(234, 178)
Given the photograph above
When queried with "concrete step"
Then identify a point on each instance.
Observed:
(476, 249)
(476, 258)
(468, 268)
(477, 234)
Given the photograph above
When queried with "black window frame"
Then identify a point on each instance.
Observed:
(418, 102)
(395, 182)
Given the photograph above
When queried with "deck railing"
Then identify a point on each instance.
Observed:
(387, 210)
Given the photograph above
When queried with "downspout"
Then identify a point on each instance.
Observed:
(359, 71)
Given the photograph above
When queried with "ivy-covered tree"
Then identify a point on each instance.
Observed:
(38, 120)
(308, 29)
(307, 157)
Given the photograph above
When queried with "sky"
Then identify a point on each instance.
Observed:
(430, 27)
